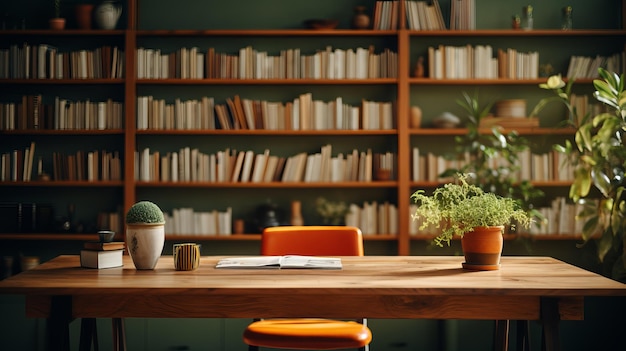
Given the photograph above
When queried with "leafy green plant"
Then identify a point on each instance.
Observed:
(333, 213)
(57, 8)
(599, 161)
(457, 208)
(145, 212)
(495, 158)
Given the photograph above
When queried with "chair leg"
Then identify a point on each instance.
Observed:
(253, 348)
(119, 334)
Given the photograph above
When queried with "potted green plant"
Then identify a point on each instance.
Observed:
(465, 210)
(484, 147)
(145, 234)
(57, 22)
(598, 156)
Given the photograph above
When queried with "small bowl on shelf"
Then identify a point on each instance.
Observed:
(106, 236)
(321, 24)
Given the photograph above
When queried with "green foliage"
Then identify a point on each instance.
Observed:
(599, 160)
(459, 207)
(485, 148)
(57, 8)
(145, 212)
(332, 213)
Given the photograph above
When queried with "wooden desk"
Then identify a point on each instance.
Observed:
(429, 287)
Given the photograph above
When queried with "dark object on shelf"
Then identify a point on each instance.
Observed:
(25, 218)
(267, 216)
(321, 24)
(360, 20)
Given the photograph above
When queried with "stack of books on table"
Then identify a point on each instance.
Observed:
(100, 255)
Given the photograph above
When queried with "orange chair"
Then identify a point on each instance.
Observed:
(309, 333)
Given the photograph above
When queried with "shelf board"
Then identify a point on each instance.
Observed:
(263, 32)
(496, 81)
(518, 33)
(299, 81)
(70, 81)
(300, 185)
(64, 183)
(266, 132)
(62, 132)
(49, 236)
(521, 131)
(62, 33)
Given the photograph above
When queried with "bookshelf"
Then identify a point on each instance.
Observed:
(153, 25)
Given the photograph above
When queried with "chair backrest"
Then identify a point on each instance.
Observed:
(312, 241)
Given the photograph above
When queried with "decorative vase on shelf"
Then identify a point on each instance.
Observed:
(57, 23)
(107, 14)
(360, 20)
(84, 13)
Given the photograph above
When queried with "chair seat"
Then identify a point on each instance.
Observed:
(306, 334)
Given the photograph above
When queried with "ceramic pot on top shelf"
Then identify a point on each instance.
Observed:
(84, 13)
(107, 14)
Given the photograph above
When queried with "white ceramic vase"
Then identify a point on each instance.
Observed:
(107, 14)
(145, 243)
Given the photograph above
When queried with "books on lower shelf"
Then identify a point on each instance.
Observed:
(281, 262)
(100, 259)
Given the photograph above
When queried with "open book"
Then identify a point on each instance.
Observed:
(288, 261)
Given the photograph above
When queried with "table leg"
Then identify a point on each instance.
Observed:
(119, 334)
(88, 334)
(550, 321)
(523, 335)
(58, 324)
(501, 338)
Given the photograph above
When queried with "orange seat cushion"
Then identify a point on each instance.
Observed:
(306, 334)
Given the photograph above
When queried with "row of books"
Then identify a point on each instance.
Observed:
(462, 14)
(45, 61)
(303, 113)
(422, 16)
(191, 165)
(249, 63)
(187, 221)
(549, 166)
(386, 15)
(587, 67)
(468, 62)
(17, 165)
(373, 218)
(32, 113)
(87, 166)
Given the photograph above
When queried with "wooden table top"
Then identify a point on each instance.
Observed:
(380, 275)
(430, 287)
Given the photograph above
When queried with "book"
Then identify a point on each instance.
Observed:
(101, 259)
(281, 262)
(100, 246)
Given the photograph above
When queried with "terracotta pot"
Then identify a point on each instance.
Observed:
(482, 248)
(84, 14)
(57, 23)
